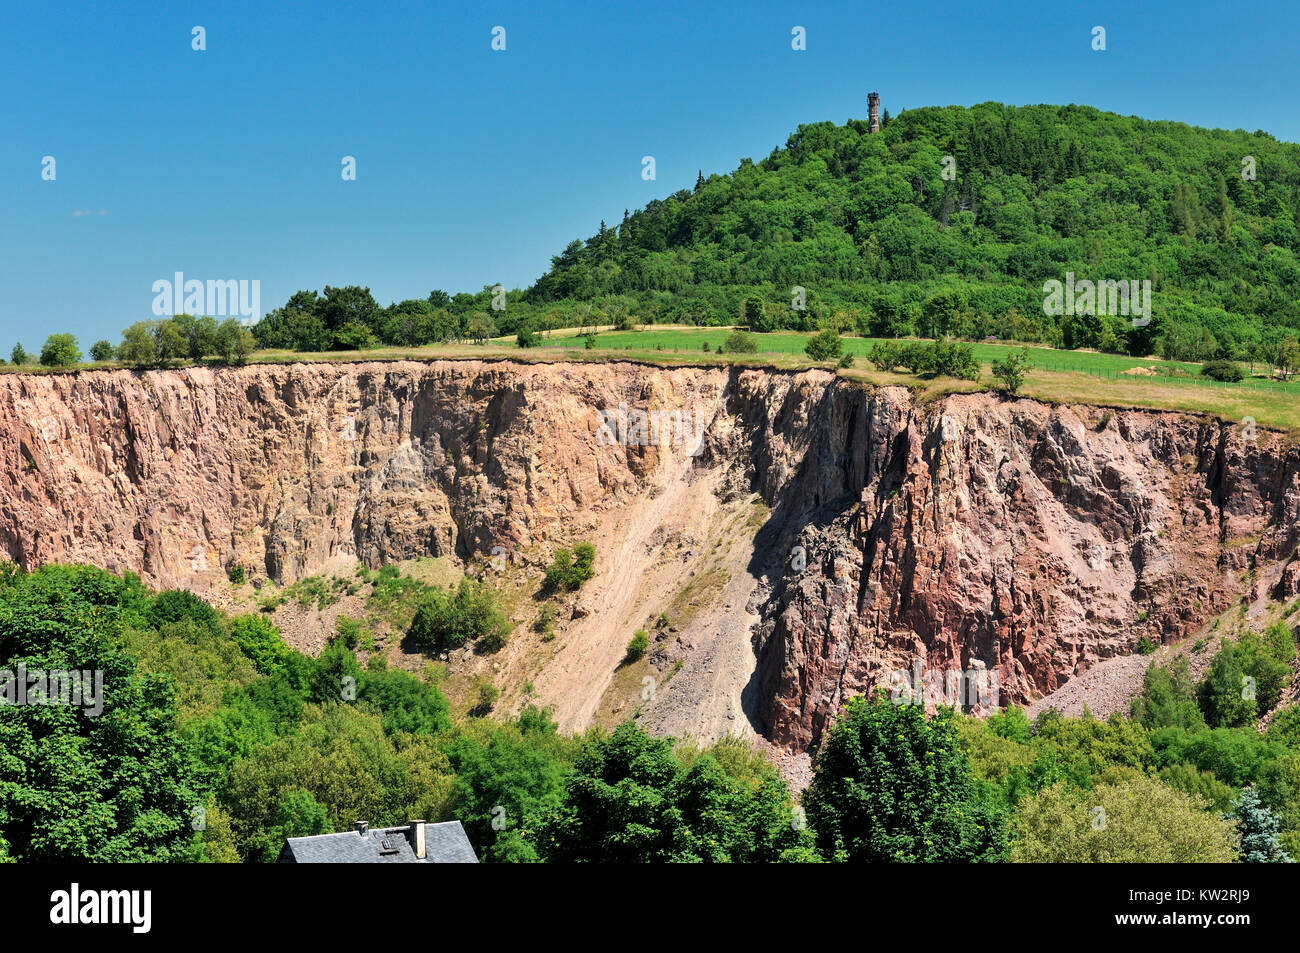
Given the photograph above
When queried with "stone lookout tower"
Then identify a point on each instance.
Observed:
(873, 111)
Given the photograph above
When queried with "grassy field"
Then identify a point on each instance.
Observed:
(1061, 376)
(688, 340)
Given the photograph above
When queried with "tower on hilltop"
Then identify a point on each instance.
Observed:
(873, 112)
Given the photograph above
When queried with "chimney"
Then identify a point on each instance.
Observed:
(362, 827)
(417, 839)
(873, 112)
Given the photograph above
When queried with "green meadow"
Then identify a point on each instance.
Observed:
(1060, 376)
(1056, 375)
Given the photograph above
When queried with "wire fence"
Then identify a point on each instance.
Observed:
(1249, 383)
(793, 344)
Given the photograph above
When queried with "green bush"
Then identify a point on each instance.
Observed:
(351, 632)
(1138, 820)
(1258, 662)
(487, 697)
(354, 336)
(1168, 698)
(636, 648)
(1222, 371)
(545, 622)
(892, 785)
(1267, 659)
(176, 605)
(632, 799)
(260, 641)
(1281, 641)
(102, 351)
(403, 702)
(884, 355)
(1202, 784)
(824, 346)
(915, 356)
(955, 360)
(740, 342)
(1222, 694)
(446, 620)
(1011, 723)
(569, 570)
(941, 358)
(1010, 372)
(1236, 756)
(60, 350)
(1284, 727)
(334, 676)
(1083, 751)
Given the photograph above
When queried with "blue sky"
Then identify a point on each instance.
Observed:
(475, 166)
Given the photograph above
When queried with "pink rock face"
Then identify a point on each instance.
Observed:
(1033, 540)
(282, 468)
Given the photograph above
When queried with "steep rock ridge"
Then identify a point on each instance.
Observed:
(1034, 540)
(1013, 536)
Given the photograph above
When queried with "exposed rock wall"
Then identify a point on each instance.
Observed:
(1033, 539)
(282, 468)
(1012, 535)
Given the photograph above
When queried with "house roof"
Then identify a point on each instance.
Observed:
(445, 843)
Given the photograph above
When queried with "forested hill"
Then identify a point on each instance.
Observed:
(885, 243)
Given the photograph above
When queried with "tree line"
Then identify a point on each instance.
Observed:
(152, 344)
(216, 742)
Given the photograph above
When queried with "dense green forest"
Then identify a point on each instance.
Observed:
(214, 741)
(889, 239)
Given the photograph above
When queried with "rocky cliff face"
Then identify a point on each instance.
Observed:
(1011, 536)
(180, 474)
(1031, 540)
